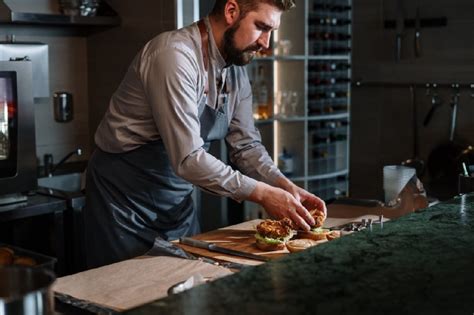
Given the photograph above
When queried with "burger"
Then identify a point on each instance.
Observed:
(333, 235)
(299, 245)
(273, 234)
(317, 232)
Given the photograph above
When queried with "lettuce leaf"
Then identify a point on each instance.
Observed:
(274, 240)
(319, 230)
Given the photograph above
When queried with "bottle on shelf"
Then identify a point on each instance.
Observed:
(331, 8)
(329, 50)
(328, 21)
(328, 81)
(319, 154)
(327, 95)
(285, 162)
(328, 36)
(263, 96)
(338, 137)
(320, 139)
(328, 67)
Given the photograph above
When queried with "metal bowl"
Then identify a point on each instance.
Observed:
(25, 290)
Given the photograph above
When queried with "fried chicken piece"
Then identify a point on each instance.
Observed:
(319, 217)
(275, 229)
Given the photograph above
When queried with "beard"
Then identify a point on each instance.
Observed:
(233, 55)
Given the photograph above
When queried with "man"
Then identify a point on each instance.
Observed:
(184, 89)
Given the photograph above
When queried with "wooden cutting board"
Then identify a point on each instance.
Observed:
(241, 237)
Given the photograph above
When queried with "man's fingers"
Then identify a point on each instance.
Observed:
(322, 206)
(315, 202)
(294, 216)
(306, 215)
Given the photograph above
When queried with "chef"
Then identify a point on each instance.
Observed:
(184, 89)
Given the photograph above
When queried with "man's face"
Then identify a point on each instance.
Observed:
(246, 36)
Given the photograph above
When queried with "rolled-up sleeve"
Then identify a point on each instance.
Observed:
(244, 141)
(170, 80)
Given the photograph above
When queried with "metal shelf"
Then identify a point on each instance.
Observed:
(328, 175)
(61, 20)
(328, 117)
(106, 18)
(331, 57)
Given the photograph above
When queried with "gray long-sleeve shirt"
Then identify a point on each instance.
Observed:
(158, 99)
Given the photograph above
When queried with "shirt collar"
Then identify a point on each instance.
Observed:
(215, 56)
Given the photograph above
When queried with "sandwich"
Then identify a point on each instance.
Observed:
(299, 245)
(317, 232)
(273, 234)
(333, 235)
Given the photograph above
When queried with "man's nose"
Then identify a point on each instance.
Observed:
(264, 40)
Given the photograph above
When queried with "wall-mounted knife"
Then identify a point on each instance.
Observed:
(399, 29)
(418, 51)
(214, 248)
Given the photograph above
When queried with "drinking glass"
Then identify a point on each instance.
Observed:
(281, 103)
(293, 99)
(284, 47)
(395, 178)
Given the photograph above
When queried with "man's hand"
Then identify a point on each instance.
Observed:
(309, 200)
(279, 204)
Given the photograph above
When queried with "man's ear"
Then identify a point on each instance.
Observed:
(231, 12)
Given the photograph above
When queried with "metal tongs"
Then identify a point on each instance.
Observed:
(358, 226)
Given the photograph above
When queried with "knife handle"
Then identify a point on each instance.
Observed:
(398, 47)
(194, 243)
(417, 44)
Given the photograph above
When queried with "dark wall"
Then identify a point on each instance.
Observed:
(110, 52)
(382, 128)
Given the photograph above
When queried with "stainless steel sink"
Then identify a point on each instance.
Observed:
(67, 182)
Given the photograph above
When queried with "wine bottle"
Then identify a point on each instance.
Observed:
(318, 49)
(327, 67)
(328, 81)
(328, 21)
(327, 95)
(319, 154)
(318, 139)
(327, 36)
(331, 8)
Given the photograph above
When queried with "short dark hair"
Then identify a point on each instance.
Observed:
(247, 6)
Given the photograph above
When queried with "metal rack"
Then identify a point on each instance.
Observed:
(361, 83)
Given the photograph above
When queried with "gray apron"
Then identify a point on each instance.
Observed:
(134, 197)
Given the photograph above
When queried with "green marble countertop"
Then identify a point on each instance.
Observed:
(422, 263)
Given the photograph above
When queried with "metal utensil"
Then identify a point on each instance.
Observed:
(415, 162)
(400, 29)
(454, 112)
(436, 102)
(418, 52)
(214, 248)
(25, 290)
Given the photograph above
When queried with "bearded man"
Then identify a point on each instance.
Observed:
(184, 89)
